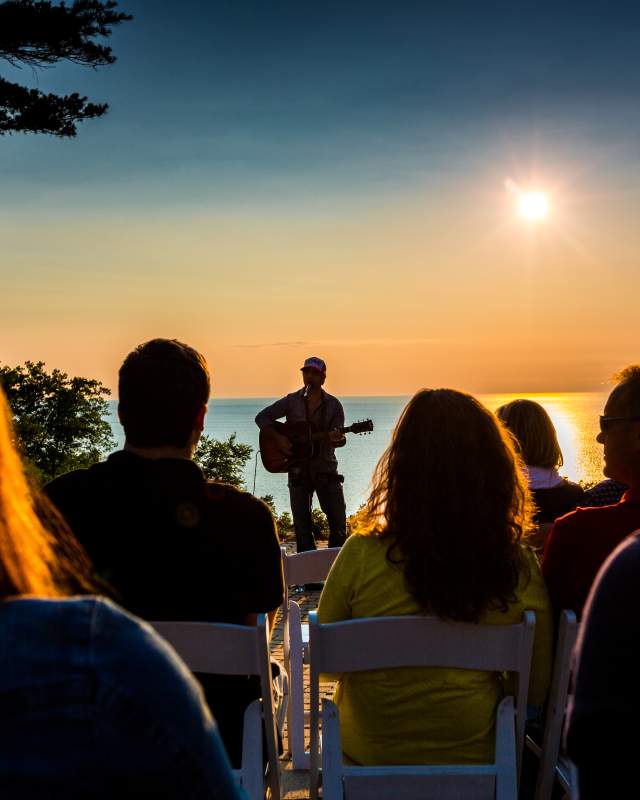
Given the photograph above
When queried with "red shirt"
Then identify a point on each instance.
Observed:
(579, 543)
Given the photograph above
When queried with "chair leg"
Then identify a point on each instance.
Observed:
(252, 770)
(506, 766)
(299, 757)
(331, 752)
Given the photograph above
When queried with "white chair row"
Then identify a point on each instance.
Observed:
(221, 649)
(311, 566)
(553, 765)
(372, 644)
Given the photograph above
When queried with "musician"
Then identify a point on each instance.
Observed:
(318, 474)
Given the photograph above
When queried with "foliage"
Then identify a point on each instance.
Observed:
(284, 523)
(320, 524)
(223, 460)
(39, 33)
(60, 422)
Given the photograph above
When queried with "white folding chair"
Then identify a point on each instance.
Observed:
(420, 641)
(221, 649)
(312, 566)
(553, 765)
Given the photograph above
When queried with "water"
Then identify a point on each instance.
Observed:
(575, 415)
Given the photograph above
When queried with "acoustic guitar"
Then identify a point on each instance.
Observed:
(303, 440)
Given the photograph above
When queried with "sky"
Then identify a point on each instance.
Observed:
(275, 180)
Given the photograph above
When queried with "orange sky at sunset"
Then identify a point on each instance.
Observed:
(448, 290)
(273, 181)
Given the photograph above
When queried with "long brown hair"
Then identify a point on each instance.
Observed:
(449, 496)
(35, 558)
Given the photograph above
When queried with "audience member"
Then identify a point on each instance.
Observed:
(92, 702)
(445, 521)
(552, 494)
(604, 493)
(579, 543)
(606, 703)
(172, 545)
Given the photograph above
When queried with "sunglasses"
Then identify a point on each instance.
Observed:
(605, 422)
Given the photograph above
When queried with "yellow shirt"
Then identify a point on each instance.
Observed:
(421, 715)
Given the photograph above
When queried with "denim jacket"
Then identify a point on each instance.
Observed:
(93, 704)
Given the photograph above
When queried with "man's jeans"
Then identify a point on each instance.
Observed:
(328, 487)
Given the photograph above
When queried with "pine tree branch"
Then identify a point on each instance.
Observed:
(39, 33)
(31, 111)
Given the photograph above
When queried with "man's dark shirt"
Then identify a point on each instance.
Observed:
(328, 415)
(174, 546)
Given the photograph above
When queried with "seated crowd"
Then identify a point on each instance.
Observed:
(94, 702)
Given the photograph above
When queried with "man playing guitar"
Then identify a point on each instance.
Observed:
(319, 472)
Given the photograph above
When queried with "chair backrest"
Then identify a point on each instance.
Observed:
(311, 566)
(221, 649)
(557, 705)
(419, 641)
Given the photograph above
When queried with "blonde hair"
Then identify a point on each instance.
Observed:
(33, 561)
(533, 429)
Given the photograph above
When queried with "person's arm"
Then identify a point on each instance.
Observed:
(557, 561)
(536, 598)
(336, 420)
(149, 698)
(335, 600)
(263, 567)
(272, 413)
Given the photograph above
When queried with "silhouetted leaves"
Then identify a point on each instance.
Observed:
(223, 460)
(39, 33)
(61, 423)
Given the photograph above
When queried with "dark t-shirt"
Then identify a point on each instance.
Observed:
(557, 501)
(175, 547)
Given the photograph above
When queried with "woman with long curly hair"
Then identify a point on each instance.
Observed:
(443, 533)
(92, 702)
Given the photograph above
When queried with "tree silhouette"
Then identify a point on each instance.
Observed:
(61, 422)
(38, 33)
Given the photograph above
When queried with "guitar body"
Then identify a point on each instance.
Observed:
(302, 438)
(302, 446)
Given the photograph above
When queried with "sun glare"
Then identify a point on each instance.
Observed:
(533, 206)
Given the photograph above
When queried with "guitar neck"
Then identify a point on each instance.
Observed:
(324, 434)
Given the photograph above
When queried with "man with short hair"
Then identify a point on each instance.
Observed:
(581, 541)
(324, 414)
(172, 545)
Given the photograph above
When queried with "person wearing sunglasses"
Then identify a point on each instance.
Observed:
(580, 542)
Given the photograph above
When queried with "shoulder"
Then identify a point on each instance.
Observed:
(225, 496)
(126, 652)
(571, 489)
(69, 482)
(583, 519)
(330, 398)
(243, 510)
(361, 548)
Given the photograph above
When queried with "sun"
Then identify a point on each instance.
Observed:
(533, 206)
